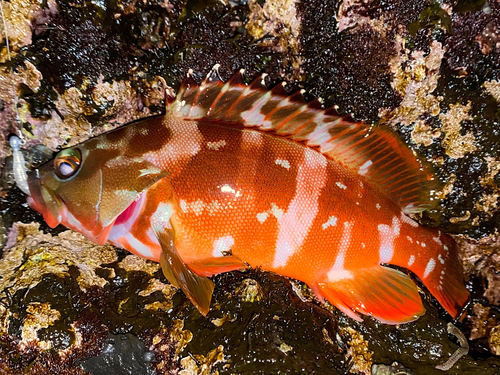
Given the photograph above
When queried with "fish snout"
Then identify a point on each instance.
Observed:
(43, 200)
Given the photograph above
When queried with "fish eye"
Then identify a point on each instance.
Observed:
(67, 163)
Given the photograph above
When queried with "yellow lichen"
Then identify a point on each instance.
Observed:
(489, 202)
(155, 285)
(493, 169)
(494, 340)
(278, 19)
(225, 318)
(18, 17)
(30, 75)
(424, 134)
(175, 334)
(327, 336)
(39, 315)
(157, 305)
(358, 352)
(285, 348)
(136, 263)
(202, 365)
(456, 144)
(493, 87)
(415, 78)
(37, 254)
(448, 187)
(348, 18)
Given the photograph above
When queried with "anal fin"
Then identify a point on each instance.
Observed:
(388, 295)
(197, 288)
(215, 265)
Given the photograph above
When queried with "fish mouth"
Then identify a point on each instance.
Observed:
(43, 200)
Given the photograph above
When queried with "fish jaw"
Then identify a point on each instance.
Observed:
(46, 201)
(43, 200)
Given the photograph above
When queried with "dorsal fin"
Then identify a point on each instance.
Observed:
(373, 152)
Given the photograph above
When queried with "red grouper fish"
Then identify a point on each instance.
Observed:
(236, 175)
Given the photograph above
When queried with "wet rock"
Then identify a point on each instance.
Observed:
(122, 354)
(394, 369)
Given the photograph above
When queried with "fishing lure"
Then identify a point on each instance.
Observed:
(236, 175)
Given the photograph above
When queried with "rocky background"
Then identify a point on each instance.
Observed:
(72, 70)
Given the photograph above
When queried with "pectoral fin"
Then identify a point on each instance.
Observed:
(197, 288)
(215, 265)
(388, 295)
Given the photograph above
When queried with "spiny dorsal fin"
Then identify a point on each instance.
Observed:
(373, 152)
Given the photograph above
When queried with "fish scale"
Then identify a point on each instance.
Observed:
(235, 175)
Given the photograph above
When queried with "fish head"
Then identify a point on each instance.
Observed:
(87, 187)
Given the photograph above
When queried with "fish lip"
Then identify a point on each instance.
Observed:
(35, 200)
(51, 210)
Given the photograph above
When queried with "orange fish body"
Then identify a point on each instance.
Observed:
(236, 175)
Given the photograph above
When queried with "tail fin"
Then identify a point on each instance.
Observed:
(441, 271)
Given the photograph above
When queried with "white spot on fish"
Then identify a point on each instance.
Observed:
(412, 260)
(183, 205)
(437, 240)
(276, 211)
(216, 146)
(337, 275)
(423, 244)
(198, 207)
(387, 236)
(409, 239)
(378, 206)
(440, 258)
(332, 221)
(364, 168)
(262, 216)
(222, 246)
(430, 267)
(341, 185)
(229, 189)
(284, 163)
(363, 245)
(386, 252)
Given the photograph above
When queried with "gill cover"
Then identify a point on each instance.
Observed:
(88, 186)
